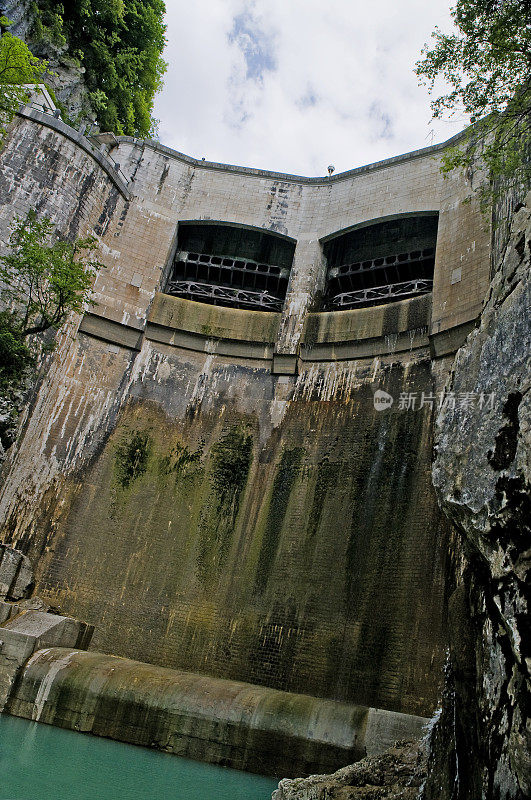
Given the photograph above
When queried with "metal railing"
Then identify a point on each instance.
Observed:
(377, 294)
(224, 295)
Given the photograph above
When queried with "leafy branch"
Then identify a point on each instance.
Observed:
(487, 65)
(44, 280)
(119, 44)
(18, 66)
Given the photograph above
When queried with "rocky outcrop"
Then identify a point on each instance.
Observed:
(16, 574)
(12, 401)
(65, 76)
(480, 745)
(398, 773)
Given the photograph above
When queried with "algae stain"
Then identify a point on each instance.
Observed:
(231, 459)
(287, 473)
(131, 455)
(230, 462)
(328, 478)
(182, 463)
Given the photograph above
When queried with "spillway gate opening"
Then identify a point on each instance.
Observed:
(230, 266)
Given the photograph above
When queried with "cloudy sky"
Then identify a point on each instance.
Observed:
(295, 85)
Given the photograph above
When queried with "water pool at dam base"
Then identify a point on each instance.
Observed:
(49, 763)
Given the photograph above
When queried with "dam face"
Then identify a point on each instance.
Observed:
(205, 473)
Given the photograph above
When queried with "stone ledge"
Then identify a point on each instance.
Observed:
(400, 344)
(449, 341)
(25, 632)
(204, 344)
(110, 331)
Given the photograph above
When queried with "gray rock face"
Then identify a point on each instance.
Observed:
(64, 75)
(390, 776)
(480, 746)
(18, 12)
(9, 412)
(13, 399)
(16, 574)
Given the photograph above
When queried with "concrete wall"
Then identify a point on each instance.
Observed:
(219, 480)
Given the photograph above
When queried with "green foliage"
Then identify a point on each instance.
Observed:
(48, 28)
(119, 43)
(18, 66)
(44, 278)
(131, 456)
(487, 65)
(15, 355)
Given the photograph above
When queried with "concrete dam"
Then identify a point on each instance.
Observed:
(225, 466)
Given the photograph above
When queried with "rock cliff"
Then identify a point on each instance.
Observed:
(394, 775)
(65, 76)
(480, 746)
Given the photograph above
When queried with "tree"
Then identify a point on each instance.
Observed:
(487, 64)
(18, 66)
(119, 43)
(44, 278)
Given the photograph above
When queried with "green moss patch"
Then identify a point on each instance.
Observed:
(131, 456)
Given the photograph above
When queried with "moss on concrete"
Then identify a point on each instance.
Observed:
(276, 512)
(309, 558)
(217, 322)
(230, 461)
(131, 455)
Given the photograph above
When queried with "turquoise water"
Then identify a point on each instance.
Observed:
(40, 762)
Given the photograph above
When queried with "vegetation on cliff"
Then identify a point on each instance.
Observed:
(487, 65)
(18, 66)
(119, 45)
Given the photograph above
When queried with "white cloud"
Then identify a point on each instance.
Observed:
(294, 85)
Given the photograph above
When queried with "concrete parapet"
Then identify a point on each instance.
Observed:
(219, 721)
(56, 124)
(367, 332)
(367, 323)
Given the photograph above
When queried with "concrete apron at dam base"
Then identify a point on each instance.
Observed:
(219, 721)
(48, 675)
